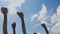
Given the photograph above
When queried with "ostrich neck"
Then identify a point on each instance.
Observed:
(5, 24)
(23, 26)
(46, 30)
(14, 31)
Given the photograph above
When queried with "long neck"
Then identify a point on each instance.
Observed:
(23, 26)
(14, 31)
(46, 30)
(5, 24)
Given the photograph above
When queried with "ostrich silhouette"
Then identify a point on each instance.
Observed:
(4, 11)
(13, 27)
(44, 26)
(21, 15)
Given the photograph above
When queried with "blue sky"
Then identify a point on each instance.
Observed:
(35, 12)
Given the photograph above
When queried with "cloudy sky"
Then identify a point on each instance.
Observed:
(36, 12)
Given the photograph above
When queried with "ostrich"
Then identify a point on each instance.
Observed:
(13, 27)
(4, 11)
(21, 15)
(44, 26)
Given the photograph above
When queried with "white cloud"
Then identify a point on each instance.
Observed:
(13, 4)
(38, 33)
(42, 13)
(58, 10)
(33, 17)
(56, 28)
(36, 25)
(48, 28)
(56, 18)
(43, 22)
(41, 16)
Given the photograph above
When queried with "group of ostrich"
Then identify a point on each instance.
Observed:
(21, 16)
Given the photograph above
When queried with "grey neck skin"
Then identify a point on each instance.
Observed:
(13, 27)
(4, 11)
(44, 26)
(22, 21)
